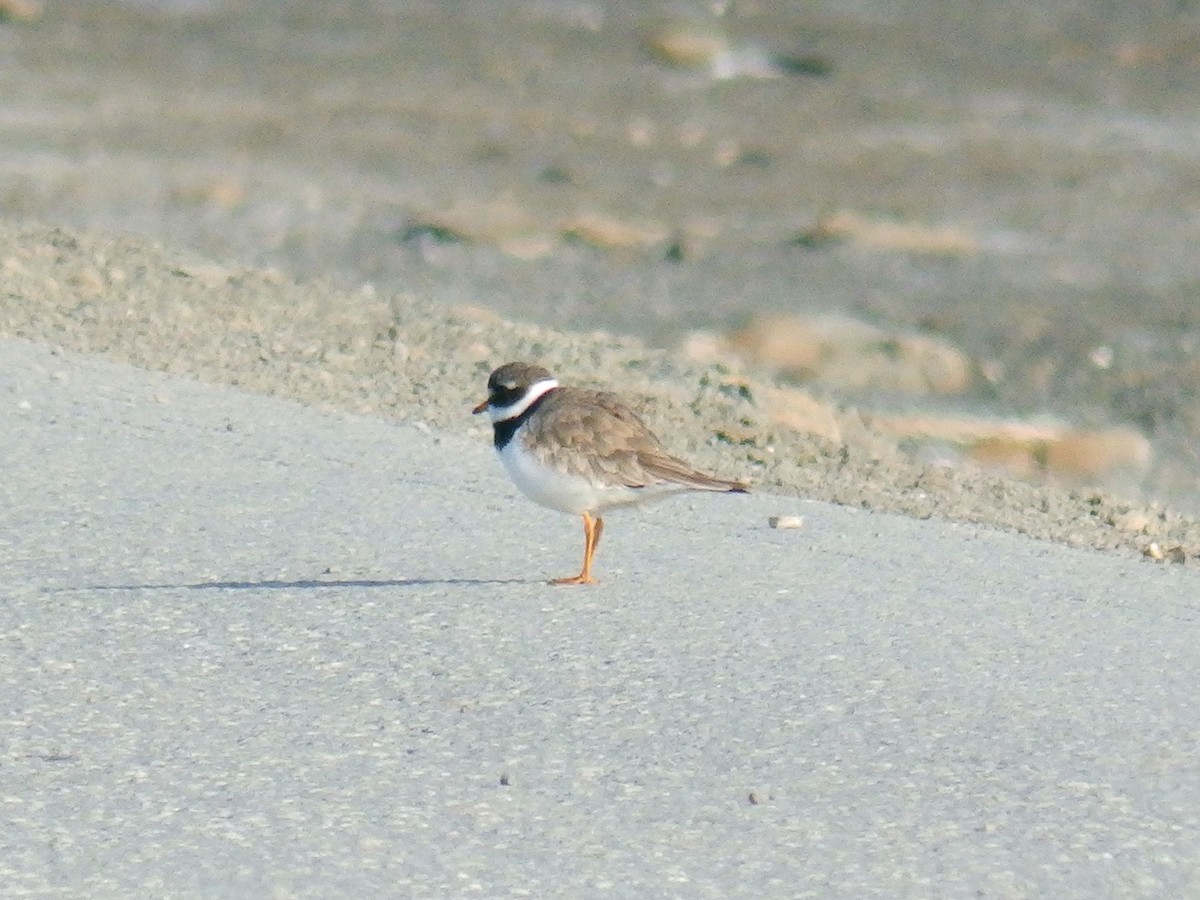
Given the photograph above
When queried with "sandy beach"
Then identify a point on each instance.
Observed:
(1015, 182)
(253, 649)
(274, 622)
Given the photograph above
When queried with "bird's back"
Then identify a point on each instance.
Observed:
(594, 435)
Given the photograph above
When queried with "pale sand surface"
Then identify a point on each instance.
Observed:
(292, 645)
(252, 649)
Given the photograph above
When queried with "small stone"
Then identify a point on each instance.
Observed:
(784, 522)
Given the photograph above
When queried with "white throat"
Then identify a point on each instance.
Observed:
(513, 410)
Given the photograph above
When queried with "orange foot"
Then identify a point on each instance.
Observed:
(581, 578)
(593, 526)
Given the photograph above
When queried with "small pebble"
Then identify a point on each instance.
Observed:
(786, 521)
(1156, 551)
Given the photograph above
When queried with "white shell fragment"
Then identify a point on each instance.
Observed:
(786, 521)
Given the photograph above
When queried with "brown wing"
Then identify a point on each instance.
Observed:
(597, 436)
(671, 468)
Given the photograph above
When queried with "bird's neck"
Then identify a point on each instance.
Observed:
(504, 429)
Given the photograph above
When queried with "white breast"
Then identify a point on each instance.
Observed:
(558, 490)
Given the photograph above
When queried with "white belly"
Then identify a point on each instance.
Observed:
(567, 493)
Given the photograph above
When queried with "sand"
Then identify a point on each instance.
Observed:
(405, 359)
(254, 649)
(275, 624)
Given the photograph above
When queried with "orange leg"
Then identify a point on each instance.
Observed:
(593, 527)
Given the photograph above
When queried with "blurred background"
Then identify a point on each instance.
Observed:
(979, 223)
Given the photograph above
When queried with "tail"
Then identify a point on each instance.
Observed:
(668, 468)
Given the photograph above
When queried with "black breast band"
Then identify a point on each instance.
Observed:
(503, 431)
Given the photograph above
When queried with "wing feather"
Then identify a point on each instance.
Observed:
(593, 434)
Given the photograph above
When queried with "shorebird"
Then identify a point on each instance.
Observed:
(581, 451)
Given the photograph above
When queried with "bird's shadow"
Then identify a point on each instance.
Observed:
(304, 584)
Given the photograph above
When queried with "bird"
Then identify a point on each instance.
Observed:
(581, 451)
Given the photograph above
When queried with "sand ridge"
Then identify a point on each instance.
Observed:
(401, 357)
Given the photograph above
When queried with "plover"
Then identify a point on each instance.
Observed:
(581, 451)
